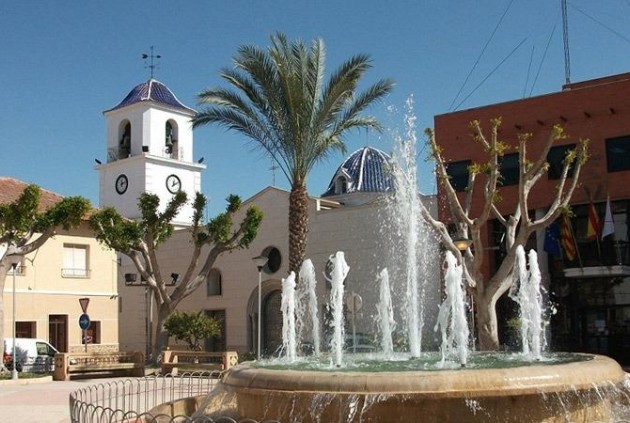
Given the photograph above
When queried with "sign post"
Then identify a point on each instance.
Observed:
(354, 302)
(84, 319)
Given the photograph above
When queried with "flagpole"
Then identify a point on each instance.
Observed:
(577, 249)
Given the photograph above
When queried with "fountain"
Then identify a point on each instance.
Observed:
(289, 345)
(527, 294)
(385, 315)
(456, 385)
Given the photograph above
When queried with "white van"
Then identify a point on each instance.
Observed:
(32, 355)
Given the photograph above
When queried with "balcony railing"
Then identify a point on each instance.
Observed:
(602, 253)
(115, 154)
(75, 273)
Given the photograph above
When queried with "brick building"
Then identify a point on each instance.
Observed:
(592, 290)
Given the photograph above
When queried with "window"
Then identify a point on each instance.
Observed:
(75, 261)
(274, 260)
(458, 173)
(217, 343)
(124, 149)
(170, 139)
(509, 169)
(618, 153)
(92, 333)
(25, 330)
(341, 185)
(555, 158)
(213, 283)
(44, 349)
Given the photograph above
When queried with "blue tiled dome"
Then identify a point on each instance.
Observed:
(155, 91)
(366, 170)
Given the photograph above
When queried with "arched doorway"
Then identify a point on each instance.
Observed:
(271, 322)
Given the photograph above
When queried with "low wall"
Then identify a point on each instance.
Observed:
(175, 361)
(67, 364)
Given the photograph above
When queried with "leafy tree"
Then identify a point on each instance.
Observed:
(519, 225)
(23, 229)
(280, 101)
(140, 240)
(192, 328)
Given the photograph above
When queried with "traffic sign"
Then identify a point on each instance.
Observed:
(84, 321)
(354, 302)
(84, 304)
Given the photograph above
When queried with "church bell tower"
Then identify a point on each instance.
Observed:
(149, 149)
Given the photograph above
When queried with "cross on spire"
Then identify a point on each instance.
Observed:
(151, 65)
(273, 172)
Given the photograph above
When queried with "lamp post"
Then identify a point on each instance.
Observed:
(14, 372)
(462, 245)
(260, 262)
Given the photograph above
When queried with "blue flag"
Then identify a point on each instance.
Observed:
(552, 239)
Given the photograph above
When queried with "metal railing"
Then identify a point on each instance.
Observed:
(131, 400)
(602, 253)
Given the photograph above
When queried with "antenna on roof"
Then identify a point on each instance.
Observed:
(565, 37)
(151, 65)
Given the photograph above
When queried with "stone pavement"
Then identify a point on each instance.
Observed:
(38, 400)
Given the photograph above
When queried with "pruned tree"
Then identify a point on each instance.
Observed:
(518, 225)
(192, 328)
(24, 229)
(140, 241)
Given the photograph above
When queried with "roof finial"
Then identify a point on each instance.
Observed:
(151, 65)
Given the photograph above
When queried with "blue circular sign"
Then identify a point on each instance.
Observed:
(84, 321)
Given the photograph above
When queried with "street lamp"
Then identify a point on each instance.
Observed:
(461, 243)
(260, 262)
(14, 373)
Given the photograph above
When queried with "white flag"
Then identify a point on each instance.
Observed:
(609, 223)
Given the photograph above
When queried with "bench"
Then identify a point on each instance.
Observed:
(68, 364)
(174, 361)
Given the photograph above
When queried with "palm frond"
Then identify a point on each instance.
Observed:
(280, 98)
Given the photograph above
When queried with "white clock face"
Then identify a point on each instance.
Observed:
(122, 183)
(173, 184)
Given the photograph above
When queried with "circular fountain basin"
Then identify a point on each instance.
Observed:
(579, 390)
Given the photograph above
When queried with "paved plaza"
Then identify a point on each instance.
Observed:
(38, 400)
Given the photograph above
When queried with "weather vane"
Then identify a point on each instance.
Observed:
(151, 65)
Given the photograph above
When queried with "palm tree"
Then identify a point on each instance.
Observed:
(278, 100)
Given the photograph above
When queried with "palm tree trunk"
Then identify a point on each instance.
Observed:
(298, 226)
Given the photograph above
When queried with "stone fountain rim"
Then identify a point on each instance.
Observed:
(598, 370)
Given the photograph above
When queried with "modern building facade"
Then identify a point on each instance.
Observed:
(591, 287)
(49, 283)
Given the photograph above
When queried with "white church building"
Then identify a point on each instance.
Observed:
(150, 149)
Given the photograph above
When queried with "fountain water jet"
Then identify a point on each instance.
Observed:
(339, 271)
(307, 299)
(385, 315)
(452, 315)
(405, 207)
(528, 296)
(289, 344)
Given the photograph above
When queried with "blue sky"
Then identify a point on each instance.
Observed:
(65, 62)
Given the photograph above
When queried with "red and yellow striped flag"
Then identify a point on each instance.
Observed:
(566, 239)
(592, 227)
